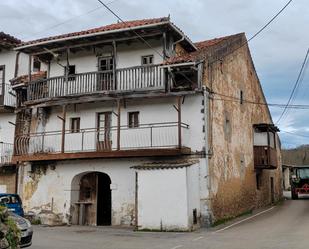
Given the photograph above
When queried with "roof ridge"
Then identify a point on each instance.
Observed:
(112, 26)
(10, 37)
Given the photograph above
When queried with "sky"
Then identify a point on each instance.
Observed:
(277, 52)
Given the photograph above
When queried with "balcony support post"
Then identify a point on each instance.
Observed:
(67, 68)
(118, 123)
(114, 65)
(179, 121)
(29, 68)
(64, 111)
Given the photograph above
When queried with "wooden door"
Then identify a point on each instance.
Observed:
(272, 190)
(105, 77)
(104, 122)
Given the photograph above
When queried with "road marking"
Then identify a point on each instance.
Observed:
(198, 238)
(177, 247)
(249, 218)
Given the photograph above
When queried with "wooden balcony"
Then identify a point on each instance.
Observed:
(126, 81)
(7, 98)
(157, 139)
(265, 157)
(6, 153)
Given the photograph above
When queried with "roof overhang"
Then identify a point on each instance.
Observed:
(106, 36)
(264, 127)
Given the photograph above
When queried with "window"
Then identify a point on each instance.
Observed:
(72, 72)
(36, 65)
(147, 60)
(75, 125)
(106, 64)
(258, 180)
(241, 97)
(133, 119)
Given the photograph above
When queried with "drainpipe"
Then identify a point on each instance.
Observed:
(207, 176)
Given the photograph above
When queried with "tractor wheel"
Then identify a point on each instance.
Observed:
(294, 195)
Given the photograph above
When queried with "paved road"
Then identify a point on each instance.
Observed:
(285, 227)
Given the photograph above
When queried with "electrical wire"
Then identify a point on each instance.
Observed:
(120, 19)
(257, 33)
(295, 86)
(67, 20)
(237, 100)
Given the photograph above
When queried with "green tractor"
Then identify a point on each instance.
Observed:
(299, 181)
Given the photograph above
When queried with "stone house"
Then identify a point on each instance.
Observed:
(134, 124)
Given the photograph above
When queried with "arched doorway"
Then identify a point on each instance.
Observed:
(93, 200)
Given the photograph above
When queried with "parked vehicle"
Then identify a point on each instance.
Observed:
(25, 227)
(300, 181)
(13, 203)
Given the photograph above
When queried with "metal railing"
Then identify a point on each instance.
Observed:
(126, 79)
(7, 95)
(146, 136)
(6, 152)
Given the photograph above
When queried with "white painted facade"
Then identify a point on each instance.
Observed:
(150, 111)
(56, 186)
(168, 198)
(128, 55)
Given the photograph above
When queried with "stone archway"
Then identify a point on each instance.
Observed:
(91, 199)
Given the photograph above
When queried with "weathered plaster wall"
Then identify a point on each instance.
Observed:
(8, 182)
(233, 178)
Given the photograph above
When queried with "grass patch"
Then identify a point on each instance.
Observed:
(227, 219)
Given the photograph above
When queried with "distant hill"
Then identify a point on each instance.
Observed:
(297, 156)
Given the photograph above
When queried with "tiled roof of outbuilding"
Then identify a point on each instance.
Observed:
(7, 40)
(202, 46)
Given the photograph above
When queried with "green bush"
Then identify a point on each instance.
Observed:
(9, 232)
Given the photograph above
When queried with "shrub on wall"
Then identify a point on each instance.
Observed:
(9, 232)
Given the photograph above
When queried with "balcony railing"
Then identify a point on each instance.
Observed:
(124, 80)
(7, 96)
(146, 136)
(265, 157)
(6, 152)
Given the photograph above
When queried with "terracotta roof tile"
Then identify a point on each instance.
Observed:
(7, 40)
(24, 78)
(115, 26)
(202, 46)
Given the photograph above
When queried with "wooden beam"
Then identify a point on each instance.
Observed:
(16, 64)
(179, 121)
(118, 123)
(107, 41)
(64, 111)
(102, 154)
(97, 97)
(29, 68)
(164, 45)
(114, 64)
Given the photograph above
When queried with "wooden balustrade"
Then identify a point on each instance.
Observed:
(146, 136)
(6, 152)
(265, 157)
(7, 96)
(126, 79)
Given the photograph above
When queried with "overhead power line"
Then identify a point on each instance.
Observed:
(257, 33)
(67, 20)
(139, 36)
(295, 86)
(237, 100)
(295, 134)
